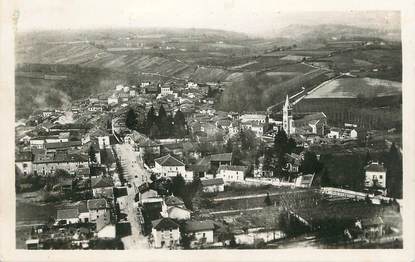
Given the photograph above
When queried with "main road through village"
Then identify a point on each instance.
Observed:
(135, 174)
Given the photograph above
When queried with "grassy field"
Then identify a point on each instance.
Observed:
(355, 87)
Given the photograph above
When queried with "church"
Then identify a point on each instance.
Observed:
(313, 123)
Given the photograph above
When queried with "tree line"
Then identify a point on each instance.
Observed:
(161, 125)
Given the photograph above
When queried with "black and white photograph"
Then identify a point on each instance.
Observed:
(206, 125)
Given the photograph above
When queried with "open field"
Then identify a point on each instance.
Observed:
(355, 87)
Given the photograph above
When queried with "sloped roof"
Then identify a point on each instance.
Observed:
(164, 224)
(67, 213)
(101, 182)
(168, 160)
(221, 157)
(173, 201)
(232, 168)
(195, 226)
(62, 144)
(375, 167)
(96, 204)
(212, 182)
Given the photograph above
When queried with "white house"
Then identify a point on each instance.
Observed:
(165, 233)
(24, 163)
(103, 142)
(375, 174)
(112, 100)
(213, 185)
(102, 187)
(192, 85)
(126, 89)
(232, 173)
(334, 133)
(353, 133)
(67, 216)
(169, 166)
(119, 87)
(257, 117)
(201, 232)
(98, 208)
(166, 90)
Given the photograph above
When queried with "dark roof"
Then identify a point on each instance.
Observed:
(67, 213)
(372, 221)
(164, 224)
(96, 204)
(375, 167)
(233, 168)
(23, 156)
(63, 144)
(173, 201)
(212, 182)
(195, 226)
(168, 160)
(59, 158)
(221, 157)
(100, 182)
(148, 143)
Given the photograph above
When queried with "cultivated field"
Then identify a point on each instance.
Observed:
(355, 87)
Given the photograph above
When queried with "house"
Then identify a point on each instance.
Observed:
(232, 173)
(221, 159)
(259, 117)
(304, 181)
(335, 133)
(67, 216)
(103, 142)
(95, 108)
(371, 228)
(98, 208)
(102, 187)
(178, 213)
(169, 166)
(48, 163)
(23, 162)
(112, 100)
(375, 176)
(165, 233)
(166, 90)
(119, 87)
(212, 185)
(172, 201)
(353, 133)
(200, 232)
(256, 127)
(293, 162)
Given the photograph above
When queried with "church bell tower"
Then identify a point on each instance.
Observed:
(287, 116)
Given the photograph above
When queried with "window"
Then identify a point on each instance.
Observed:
(24, 165)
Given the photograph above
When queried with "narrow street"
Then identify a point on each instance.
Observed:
(135, 174)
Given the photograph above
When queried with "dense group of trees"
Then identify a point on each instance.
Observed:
(159, 125)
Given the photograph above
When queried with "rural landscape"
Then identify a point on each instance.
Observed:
(196, 138)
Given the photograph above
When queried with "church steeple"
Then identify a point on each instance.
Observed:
(287, 116)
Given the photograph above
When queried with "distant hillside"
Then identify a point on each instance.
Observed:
(328, 31)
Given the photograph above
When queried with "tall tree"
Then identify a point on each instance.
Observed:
(91, 154)
(394, 172)
(151, 119)
(131, 119)
(154, 131)
(310, 164)
(179, 124)
(178, 186)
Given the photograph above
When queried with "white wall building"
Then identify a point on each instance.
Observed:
(169, 166)
(232, 173)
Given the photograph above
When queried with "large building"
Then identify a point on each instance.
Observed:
(169, 166)
(314, 123)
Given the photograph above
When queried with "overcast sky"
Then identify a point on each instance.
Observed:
(241, 16)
